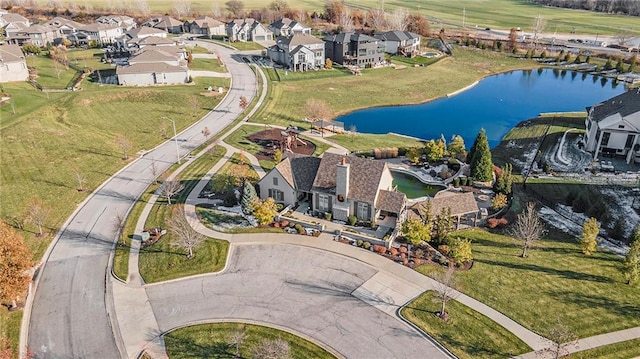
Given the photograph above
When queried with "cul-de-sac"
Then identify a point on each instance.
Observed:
(280, 179)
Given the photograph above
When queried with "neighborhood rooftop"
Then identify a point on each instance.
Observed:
(624, 104)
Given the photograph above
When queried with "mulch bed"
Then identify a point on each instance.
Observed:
(270, 140)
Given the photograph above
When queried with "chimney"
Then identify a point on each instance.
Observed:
(342, 179)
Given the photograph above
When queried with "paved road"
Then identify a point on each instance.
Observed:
(307, 290)
(69, 316)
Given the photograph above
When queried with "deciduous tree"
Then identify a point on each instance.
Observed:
(183, 235)
(81, 179)
(562, 339)
(244, 103)
(271, 349)
(528, 228)
(170, 188)
(588, 239)
(415, 230)
(460, 250)
(456, 147)
(37, 214)
(433, 150)
(398, 19)
(124, 144)
(631, 262)
(377, 20)
(277, 156)
(264, 210)
(444, 290)
(236, 339)
(418, 24)
(16, 260)
(316, 109)
(235, 7)
(414, 154)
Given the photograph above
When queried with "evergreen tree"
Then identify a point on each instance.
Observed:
(619, 66)
(608, 65)
(248, 195)
(456, 147)
(504, 182)
(481, 164)
(632, 63)
(631, 262)
(590, 230)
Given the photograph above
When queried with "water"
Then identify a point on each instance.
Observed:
(412, 187)
(497, 103)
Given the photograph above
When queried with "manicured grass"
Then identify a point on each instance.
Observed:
(556, 281)
(88, 59)
(285, 75)
(10, 327)
(467, 333)
(51, 74)
(211, 217)
(417, 60)
(622, 350)
(239, 168)
(241, 46)
(212, 341)
(207, 65)
(369, 141)
(287, 99)
(198, 50)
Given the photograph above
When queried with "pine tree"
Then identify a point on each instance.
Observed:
(631, 262)
(481, 164)
(590, 230)
(632, 63)
(608, 65)
(619, 66)
(504, 181)
(248, 195)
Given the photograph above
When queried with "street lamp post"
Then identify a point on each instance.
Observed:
(175, 138)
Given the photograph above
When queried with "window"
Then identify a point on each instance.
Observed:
(275, 181)
(620, 126)
(277, 195)
(323, 202)
(629, 142)
(363, 211)
(605, 139)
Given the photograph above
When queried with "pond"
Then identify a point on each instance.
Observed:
(496, 103)
(413, 187)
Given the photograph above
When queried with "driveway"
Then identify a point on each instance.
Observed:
(71, 308)
(307, 290)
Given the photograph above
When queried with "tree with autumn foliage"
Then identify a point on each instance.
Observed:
(16, 260)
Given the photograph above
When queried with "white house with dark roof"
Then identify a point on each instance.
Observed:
(288, 27)
(103, 33)
(64, 26)
(205, 25)
(341, 185)
(247, 29)
(613, 127)
(13, 66)
(300, 52)
(165, 23)
(399, 42)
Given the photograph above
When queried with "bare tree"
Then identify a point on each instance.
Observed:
(444, 289)
(528, 227)
(81, 179)
(118, 225)
(154, 171)
(300, 15)
(244, 103)
(377, 18)
(183, 235)
(216, 12)
(538, 26)
(271, 349)
(142, 6)
(353, 131)
(236, 7)
(398, 19)
(37, 214)
(125, 145)
(562, 339)
(316, 109)
(164, 127)
(206, 132)
(195, 105)
(181, 8)
(345, 19)
(170, 188)
(236, 338)
(623, 36)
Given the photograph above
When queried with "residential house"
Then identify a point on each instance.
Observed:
(174, 56)
(131, 38)
(102, 33)
(166, 23)
(248, 29)
(13, 23)
(124, 22)
(41, 35)
(463, 206)
(300, 52)
(613, 127)
(355, 49)
(13, 66)
(146, 74)
(64, 26)
(205, 25)
(403, 43)
(288, 27)
(341, 185)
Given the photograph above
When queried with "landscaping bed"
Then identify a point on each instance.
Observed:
(272, 139)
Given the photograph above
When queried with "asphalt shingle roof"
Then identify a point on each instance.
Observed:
(625, 104)
(391, 201)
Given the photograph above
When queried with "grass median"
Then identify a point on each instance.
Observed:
(622, 350)
(213, 341)
(556, 282)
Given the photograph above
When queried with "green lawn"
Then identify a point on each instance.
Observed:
(410, 85)
(10, 327)
(51, 74)
(467, 333)
(239, 45)
(211, 217)
(212, 341)
(207, 65)
(239, 168)
(198, 50)
(411, 61)
(557, 281)
(88, 59)
(622, 350)
(369, 141)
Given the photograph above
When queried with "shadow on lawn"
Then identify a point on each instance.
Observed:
(629, 310)
(188, 348)
(536, 268)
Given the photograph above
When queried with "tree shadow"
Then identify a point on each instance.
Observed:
(586, 300)
(185, 347)
(568, 274)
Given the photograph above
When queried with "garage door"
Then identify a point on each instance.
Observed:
(259, 38)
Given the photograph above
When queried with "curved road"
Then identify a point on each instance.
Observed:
(70, 312)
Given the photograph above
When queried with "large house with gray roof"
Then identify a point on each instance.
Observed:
(165, 23)
(248, 29)
(613, 127)
(355, 49)
(13, 65)
(396, 42)
(205, 25)
(300, 52)
(288, 27)
(341, 185)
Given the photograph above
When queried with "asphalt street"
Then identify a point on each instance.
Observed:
(70, 310)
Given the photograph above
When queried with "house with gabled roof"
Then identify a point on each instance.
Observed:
(165, 23)
(13, 23)
(205, 25)
(103, 33)
(463, 207)
(341, 185)
(288, 27)
(124, 22)
(613, 127)
(13, 65)
(65, 26)
(41, 35)
(397, 42)
(353, 48)
(248, 29)
(300, 52)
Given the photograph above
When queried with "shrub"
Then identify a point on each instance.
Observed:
(456, 182)
(492, 223)
(359, 242)
(418, 253)
(352, 220)
(366, 245)
(327, 216)
(444, 249)
(292, 225)
(284, 223)
(403, 250)
(276, 225)
(377, 154)
(393, 251)
(299, 228)
(499, 201)
(279, 207)
(380, 249)
(442, 260)
(417, 261)
(464, 181)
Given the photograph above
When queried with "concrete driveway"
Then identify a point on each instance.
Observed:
(307, 290)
